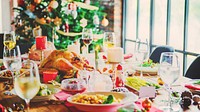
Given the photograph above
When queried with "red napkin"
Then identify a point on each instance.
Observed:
(192, 86)
(62, 95)
(153, 109)
(127, 56)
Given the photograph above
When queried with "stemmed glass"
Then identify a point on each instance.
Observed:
(87, 37)
(9, 40)
(85, 75)
(109, 40)
(169, 72)
(27, 83)
(12, 59)
(141, 52)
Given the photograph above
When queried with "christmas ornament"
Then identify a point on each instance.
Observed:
(37, 31)
(30, 14)
(41, 20)
(96, 20)
(57, 21)
(83, 22)
(146, 104)
(31, 7)
(53, 4)
(66, 27)
(87, 2)
(74, 14)
(20, 2)
(37, 1)
(48, 20)
(74, 6)
(104, 22)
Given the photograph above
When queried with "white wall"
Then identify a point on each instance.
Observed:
(5, 16)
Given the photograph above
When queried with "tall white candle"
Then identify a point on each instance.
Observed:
(115, 54)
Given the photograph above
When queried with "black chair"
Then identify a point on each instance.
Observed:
(193, 71)
(155, 55)
(1, 46)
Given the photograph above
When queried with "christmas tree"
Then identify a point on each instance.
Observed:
(61, 21)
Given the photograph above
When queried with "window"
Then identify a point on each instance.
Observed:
(167, 22)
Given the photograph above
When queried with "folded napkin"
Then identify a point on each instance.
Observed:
(192, 86)
(62, 95)
(126, 56)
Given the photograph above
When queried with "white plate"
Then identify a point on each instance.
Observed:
(126, 99)
(147, 69)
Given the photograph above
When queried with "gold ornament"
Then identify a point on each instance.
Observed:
(37, 1)
(83, 22)
(53, 4)
(41, 20)
(104, 22)
(57, 21)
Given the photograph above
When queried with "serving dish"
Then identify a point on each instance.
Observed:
(126, 98)
(52, 88)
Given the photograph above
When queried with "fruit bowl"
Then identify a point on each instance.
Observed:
(73, 85)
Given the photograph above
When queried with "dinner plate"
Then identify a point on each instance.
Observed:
(52, 88)
(126, 98)
(150, 70)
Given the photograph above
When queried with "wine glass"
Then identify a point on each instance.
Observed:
(87, 37)
(12, 59)
(9, 40)
(27, 83)
(141, 52)
(169, 72)
(109, 40)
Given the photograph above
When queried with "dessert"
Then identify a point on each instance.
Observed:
(73, 85)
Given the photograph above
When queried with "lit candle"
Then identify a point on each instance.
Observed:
(41, 42)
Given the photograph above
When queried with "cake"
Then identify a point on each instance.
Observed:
(115, 54)
(35, 54)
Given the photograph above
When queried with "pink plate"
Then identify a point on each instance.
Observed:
(127, 98)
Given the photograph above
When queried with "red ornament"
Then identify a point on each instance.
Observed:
(119, 67)
(20, 2)
(66, 27)
(146, 104)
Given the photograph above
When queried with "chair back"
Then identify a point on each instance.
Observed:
(1, 46)
(155, 55)
(193, 71)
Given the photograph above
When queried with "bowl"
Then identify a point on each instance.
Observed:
(73, 85)
(126, 98)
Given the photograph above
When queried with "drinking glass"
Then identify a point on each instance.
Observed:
(9, 40)
(169, 72)
(87, 37)
(12, 59)
(109, 40)
(27, 83)
(141, 52)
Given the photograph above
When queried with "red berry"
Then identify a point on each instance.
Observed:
(119, 67)
(104, 57)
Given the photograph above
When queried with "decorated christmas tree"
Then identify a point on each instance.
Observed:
(61, 21)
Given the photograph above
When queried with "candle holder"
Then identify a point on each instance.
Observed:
(41, 44)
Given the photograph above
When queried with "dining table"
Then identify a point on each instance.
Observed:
(55, 105)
